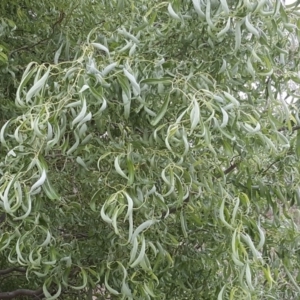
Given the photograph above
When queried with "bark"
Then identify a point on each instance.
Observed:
(35, 294)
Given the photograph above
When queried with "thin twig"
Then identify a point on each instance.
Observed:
(265, 171)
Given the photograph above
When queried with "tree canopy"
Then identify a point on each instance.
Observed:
(149, 149)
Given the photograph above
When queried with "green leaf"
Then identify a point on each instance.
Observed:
(162, 80)
(46, 292)
(118, 168)
(298, 144)
(162, 112)
(38, 85)
(141, 254)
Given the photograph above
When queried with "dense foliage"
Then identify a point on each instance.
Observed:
(149, 149)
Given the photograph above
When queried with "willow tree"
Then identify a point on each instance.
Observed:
(160, 160)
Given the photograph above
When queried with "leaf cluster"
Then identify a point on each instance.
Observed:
(158, 156)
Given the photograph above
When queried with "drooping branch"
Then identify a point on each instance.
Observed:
(226, 171)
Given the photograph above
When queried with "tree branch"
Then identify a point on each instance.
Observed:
(293, 128)
(9, 270)
(231, 168)
(27, 47)
(2, 217)
(174, 209)
(20, 292)
(296, 128)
